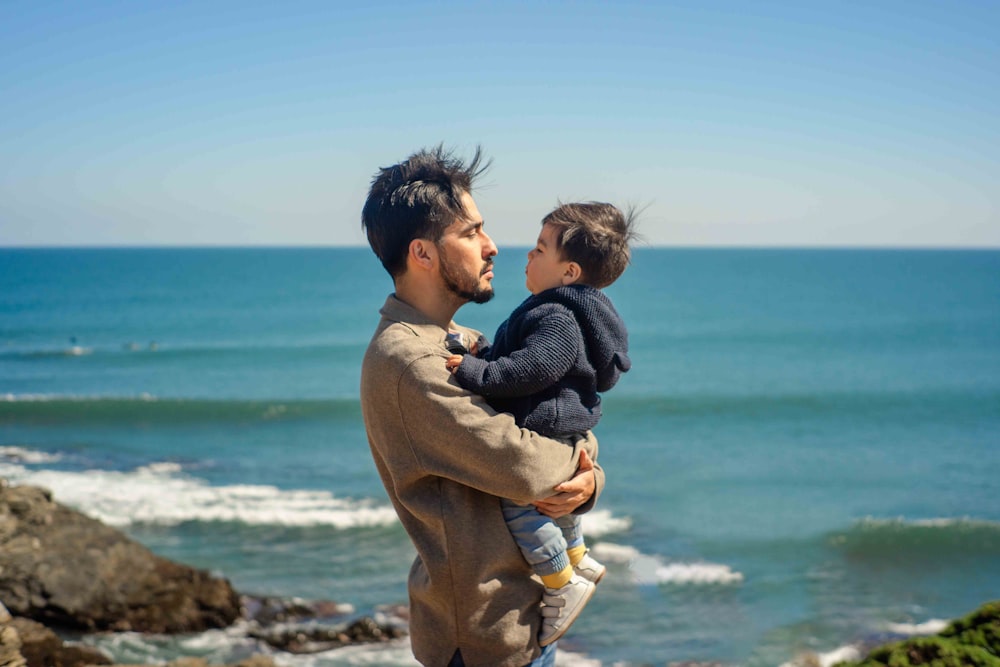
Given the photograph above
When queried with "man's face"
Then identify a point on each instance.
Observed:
(466, 256)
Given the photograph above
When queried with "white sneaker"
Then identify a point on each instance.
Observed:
(589, 568)
(561, 606)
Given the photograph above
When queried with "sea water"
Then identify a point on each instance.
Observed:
(804, 456)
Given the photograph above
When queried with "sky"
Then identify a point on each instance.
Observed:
(871, 123)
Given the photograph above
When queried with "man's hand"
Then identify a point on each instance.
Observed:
(453, 362)
(573, 493)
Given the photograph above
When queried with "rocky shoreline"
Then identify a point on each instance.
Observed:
(63, 572)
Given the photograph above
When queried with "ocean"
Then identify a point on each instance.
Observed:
(803, 458)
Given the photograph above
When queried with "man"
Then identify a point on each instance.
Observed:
(445, 457)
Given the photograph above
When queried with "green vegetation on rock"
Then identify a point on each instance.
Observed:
(971, 641)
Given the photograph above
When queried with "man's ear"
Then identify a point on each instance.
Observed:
(422, 253)
(572, 274)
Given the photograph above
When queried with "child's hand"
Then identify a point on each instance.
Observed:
(454, 361)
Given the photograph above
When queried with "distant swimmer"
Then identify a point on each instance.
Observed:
(131, 346)
(153, 345)
(74, 349)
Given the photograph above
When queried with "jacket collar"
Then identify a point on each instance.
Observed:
(399, 311)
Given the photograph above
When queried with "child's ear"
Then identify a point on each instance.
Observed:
(572, 274)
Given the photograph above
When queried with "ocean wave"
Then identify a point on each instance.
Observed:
(850, 652)
(654, 570)
(903, 538)
(215, 646)
(154, 351)
(61, 408)
(842, 654)
(48, 353)
(929, 627)
(626, 406)
(161, 494)
(14, 454)
(233, 644)
(599, 523)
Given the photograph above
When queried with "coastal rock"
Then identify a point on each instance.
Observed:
(41, 646)
(266, 610)
(27, 643)
(315, 639)
(64, 569)
(10, 642)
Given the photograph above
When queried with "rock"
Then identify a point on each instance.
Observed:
(64, 569)
(10, 642)
(27, 643)
(264, 610)
(315, 639)
(41, 647)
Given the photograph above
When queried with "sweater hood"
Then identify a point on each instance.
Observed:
(603, 330)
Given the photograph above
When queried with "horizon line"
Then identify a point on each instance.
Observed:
(638, 247)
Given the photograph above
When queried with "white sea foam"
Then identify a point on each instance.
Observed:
(394, 654)
(930, 627)
(160, 493)
(653, 570)
(615, 553)
(13, 454)
(215, 646)
(697, 573)
(75, 398)
(601, 522)
(567, 659)
(940, 522)
(231, 644)
(842, 654)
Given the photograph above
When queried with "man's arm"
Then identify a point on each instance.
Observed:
(454, 433)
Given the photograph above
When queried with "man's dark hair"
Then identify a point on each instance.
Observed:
(596, 236)
(417, 198)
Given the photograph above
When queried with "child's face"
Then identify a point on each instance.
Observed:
(546, 267)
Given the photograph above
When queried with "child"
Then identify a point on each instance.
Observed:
(548, 361)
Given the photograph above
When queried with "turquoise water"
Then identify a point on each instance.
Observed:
(803, 457)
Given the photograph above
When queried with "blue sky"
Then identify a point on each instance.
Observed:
(732, 123)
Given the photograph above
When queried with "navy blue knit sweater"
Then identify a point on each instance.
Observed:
(550, 359)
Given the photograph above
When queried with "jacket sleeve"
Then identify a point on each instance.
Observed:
(547, 353)
(454, 433)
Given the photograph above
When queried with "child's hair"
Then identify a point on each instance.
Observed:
(596, 236)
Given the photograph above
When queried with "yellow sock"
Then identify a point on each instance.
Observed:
(576, 554)
(559, 579)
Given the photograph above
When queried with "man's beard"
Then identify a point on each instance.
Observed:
(464, 285)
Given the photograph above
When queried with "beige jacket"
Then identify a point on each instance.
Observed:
(446, 458)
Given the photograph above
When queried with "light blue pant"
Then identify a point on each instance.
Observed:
(542, 540)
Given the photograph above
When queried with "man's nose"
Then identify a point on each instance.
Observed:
(489, 248)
